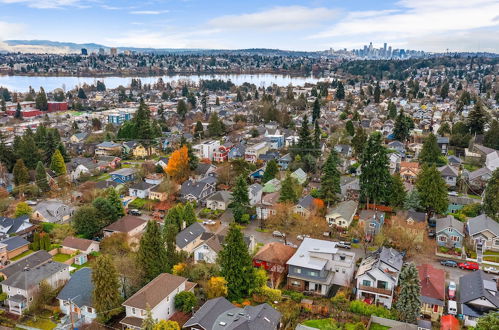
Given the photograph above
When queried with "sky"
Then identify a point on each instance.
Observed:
(430, 25)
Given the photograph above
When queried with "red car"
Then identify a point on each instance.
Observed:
(469, 265)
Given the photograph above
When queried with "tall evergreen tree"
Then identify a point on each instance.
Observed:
(397, 194)
(392, 110)
(182, 108)
(170, 231)
(491, 138)
(377, 93)
(316, 110)
(215, 125)
(193, 158)
(20, 172)
(403, 126)
(271, 171)
(199, 130)
(375, 178)
(189, 214)
(340, 91)
(57, 164)
(409, 301)
(82, 95)
(304, 142)
(330, 181)
(106, 288)
(491, 199)
(430, 154)
(236, 265)
(359, 140)
(288, 193)
(240, 199)
(41, 178)
(349, 128)
(27, 150)
(41, 100)
(18, 114)
(152, 253)
(115, 200)
(317, 139)
(432, 190)
(477, 118)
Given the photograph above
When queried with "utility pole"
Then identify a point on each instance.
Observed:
(71, 313)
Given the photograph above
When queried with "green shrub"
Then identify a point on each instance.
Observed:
(185, 301)
(48, 227)
(268, 294)
(360, 307)
(295, 296)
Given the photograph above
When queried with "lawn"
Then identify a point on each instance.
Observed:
(377, 326)
(24, 254)
(492, 256)
(323, 324)
(61, 257)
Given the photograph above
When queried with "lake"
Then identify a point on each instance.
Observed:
(22, 83)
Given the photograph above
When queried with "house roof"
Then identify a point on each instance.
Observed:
(477, 285)
(448, 170)
(125, 224)
(449, 222)
(432, 281)
(299, 174)
(478, 173)
(155, 291)
(261, 317)
(33, 260)
(203, 168)
(124, 171)
(481, 223)
(221, 196)
(77, 243)
(302, 257)
(14, 242)
(142, 185)
(79, 288)
(108, 144)
(195, 188)
(29, 277)
(345, 209)
(189, 234)
(207, 314)
(307, 202)
(276, 253)
(53, 210)
(255, 188)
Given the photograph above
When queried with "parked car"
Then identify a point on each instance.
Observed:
(431, 233)
(452, 290)
(302, 237)
(291, 244)
(134, 212)
(451, 307)
(469, 265)
(344, 245)
(209, 222)
(491, 270)
(452, 193)
(448, 263)
(277, 233)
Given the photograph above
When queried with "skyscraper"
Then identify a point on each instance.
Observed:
(84, 51)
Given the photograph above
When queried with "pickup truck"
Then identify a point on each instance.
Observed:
(491, 270)
(469, 265)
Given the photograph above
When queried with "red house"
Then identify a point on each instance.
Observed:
(222, 154)
(57, 106)
(273, 258)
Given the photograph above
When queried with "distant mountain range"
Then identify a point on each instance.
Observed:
(56, 47)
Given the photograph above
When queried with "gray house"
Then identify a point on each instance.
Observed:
(198, 191)
(449, 174)
(76, 297)
(478, 295)
(484, 231)
(450, 232)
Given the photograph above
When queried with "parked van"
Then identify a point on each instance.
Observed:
(452, 307)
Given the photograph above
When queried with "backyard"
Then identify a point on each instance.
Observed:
(61, 257)
(22, 255)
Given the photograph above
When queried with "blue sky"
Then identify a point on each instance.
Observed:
(433, 25)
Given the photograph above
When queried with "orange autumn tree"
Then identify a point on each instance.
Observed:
(178, 165)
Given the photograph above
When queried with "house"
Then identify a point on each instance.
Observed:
(76, 297)
(478, 179)
(222, 154)
(140, 151)
(266, 207)
(484, 231)
(284, 161)
(219, 200)
(317, 265)
(19, 226)
(23, 286)
(157, 193)
(163, 162)
(198, 190)
(478, 295)
(130, 225)
(52, 211)
(344, 150)
(257, 174)
(158, 296)
(411, 216)
(432, 281)
(123, 175)
(449, 232)
(33, 260)
(299, 175)
(492, 160)
(71, 245)
(449, 174)
(212, 243)
(397, 146)
(140, 189)
(255, 193)
(272, 185)
(238, 151)
(203, 170)
(206, 150)
(190, 237)
(273, 257)
(305, 206)
(384, 323)
(372, 221)
(108, 148)
(12, 247)
(377, 276)
(219, 313)
(342, 215)
(454, 161)
(443, 144)
(409, 171)
(253, 152)
(78, 137)
(350, 188)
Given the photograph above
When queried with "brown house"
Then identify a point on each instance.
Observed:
(130, 225)
(273, 258)
(12, 247)
(71, 245)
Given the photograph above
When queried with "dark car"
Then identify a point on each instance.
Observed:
(448, 263)
(134, 212)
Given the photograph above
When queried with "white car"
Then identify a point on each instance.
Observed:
(209, 222)
(277, 233)
(302, 237)
(491, 270)
(291, 244)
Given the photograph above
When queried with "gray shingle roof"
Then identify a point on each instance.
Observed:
(307, 202)
(14, 242)
(481, 223)
(189, 234)
(33, 260)
(79, 288)
(449, 222)
(221, 196)
(473, 286)
(208, 313)
(448, 170)
(11, 225)
(142, 185)
(30, 277)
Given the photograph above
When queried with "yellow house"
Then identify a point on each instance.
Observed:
(155, 194)
(432, 291)
(141, 152)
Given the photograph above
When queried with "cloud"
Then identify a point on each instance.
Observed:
(276, 18)
(411, 20)
(148, 12)
(45, 4)
(10, 30)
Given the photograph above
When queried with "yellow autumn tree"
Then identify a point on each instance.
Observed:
(178, 165)
(166, 325)
(216, 287)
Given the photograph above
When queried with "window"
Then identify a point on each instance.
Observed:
(435, 308)
(167, 298)
(133, 311)
(372, 225)
(496, 242)
(366, 283)
(442, 238)
(342, 258)
(90, 309)
(295, 283)
(298, 270)
(382, 285)
(455, 238)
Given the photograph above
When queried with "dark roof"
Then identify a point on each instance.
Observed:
(391, 257)
(14, 242)
(79, 288)
(202, 169)
(474, 286)
(208, 313)
(448, 170)
(125, 224)
(306, 202)
(81, 244)
(142, 185)
(29, 277)
(416, 216)
(221, 196)
(189, 234)
(106, 184)
(33, 260)
(449, 222)
(194, 188)
(482, 223)
(12, 225)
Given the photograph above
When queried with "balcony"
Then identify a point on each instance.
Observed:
(376, 290)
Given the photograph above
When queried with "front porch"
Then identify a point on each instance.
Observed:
(17, 304)
(371, 297)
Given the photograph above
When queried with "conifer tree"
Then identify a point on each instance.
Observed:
(491, 199)
(20, 172)
(240, 199)
(152, 253)
(377, 93)
(340, 91)
(409, 303)
(18, 114)
(64, 153)
(57, 164)
(181, 108)
(170, 232)
(317, 139)
(491, 137)
(397, 194)
(477, 118)
(330, 181)
(270, 171)
(430, 153)
(392, 110)
(175, 217)
(403, 126)
(189, 215)
(115, 200)
(106, 292)
(359, 140)
(316, 110)
(236, 265)
(304, 141)
(193, 159)
(41, 178)
(432, 190)
(349, 128)
(214, 125)
(199, 130)
(41, 100)
(288, 193)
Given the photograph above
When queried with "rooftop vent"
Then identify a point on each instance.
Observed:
(230, 314)
(223, 324)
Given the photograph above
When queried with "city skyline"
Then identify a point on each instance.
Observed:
(290, 25)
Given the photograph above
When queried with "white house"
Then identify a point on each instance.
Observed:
(206, 149)
(255, 193)
(342, 215)
(377, 276)
(159, 296)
